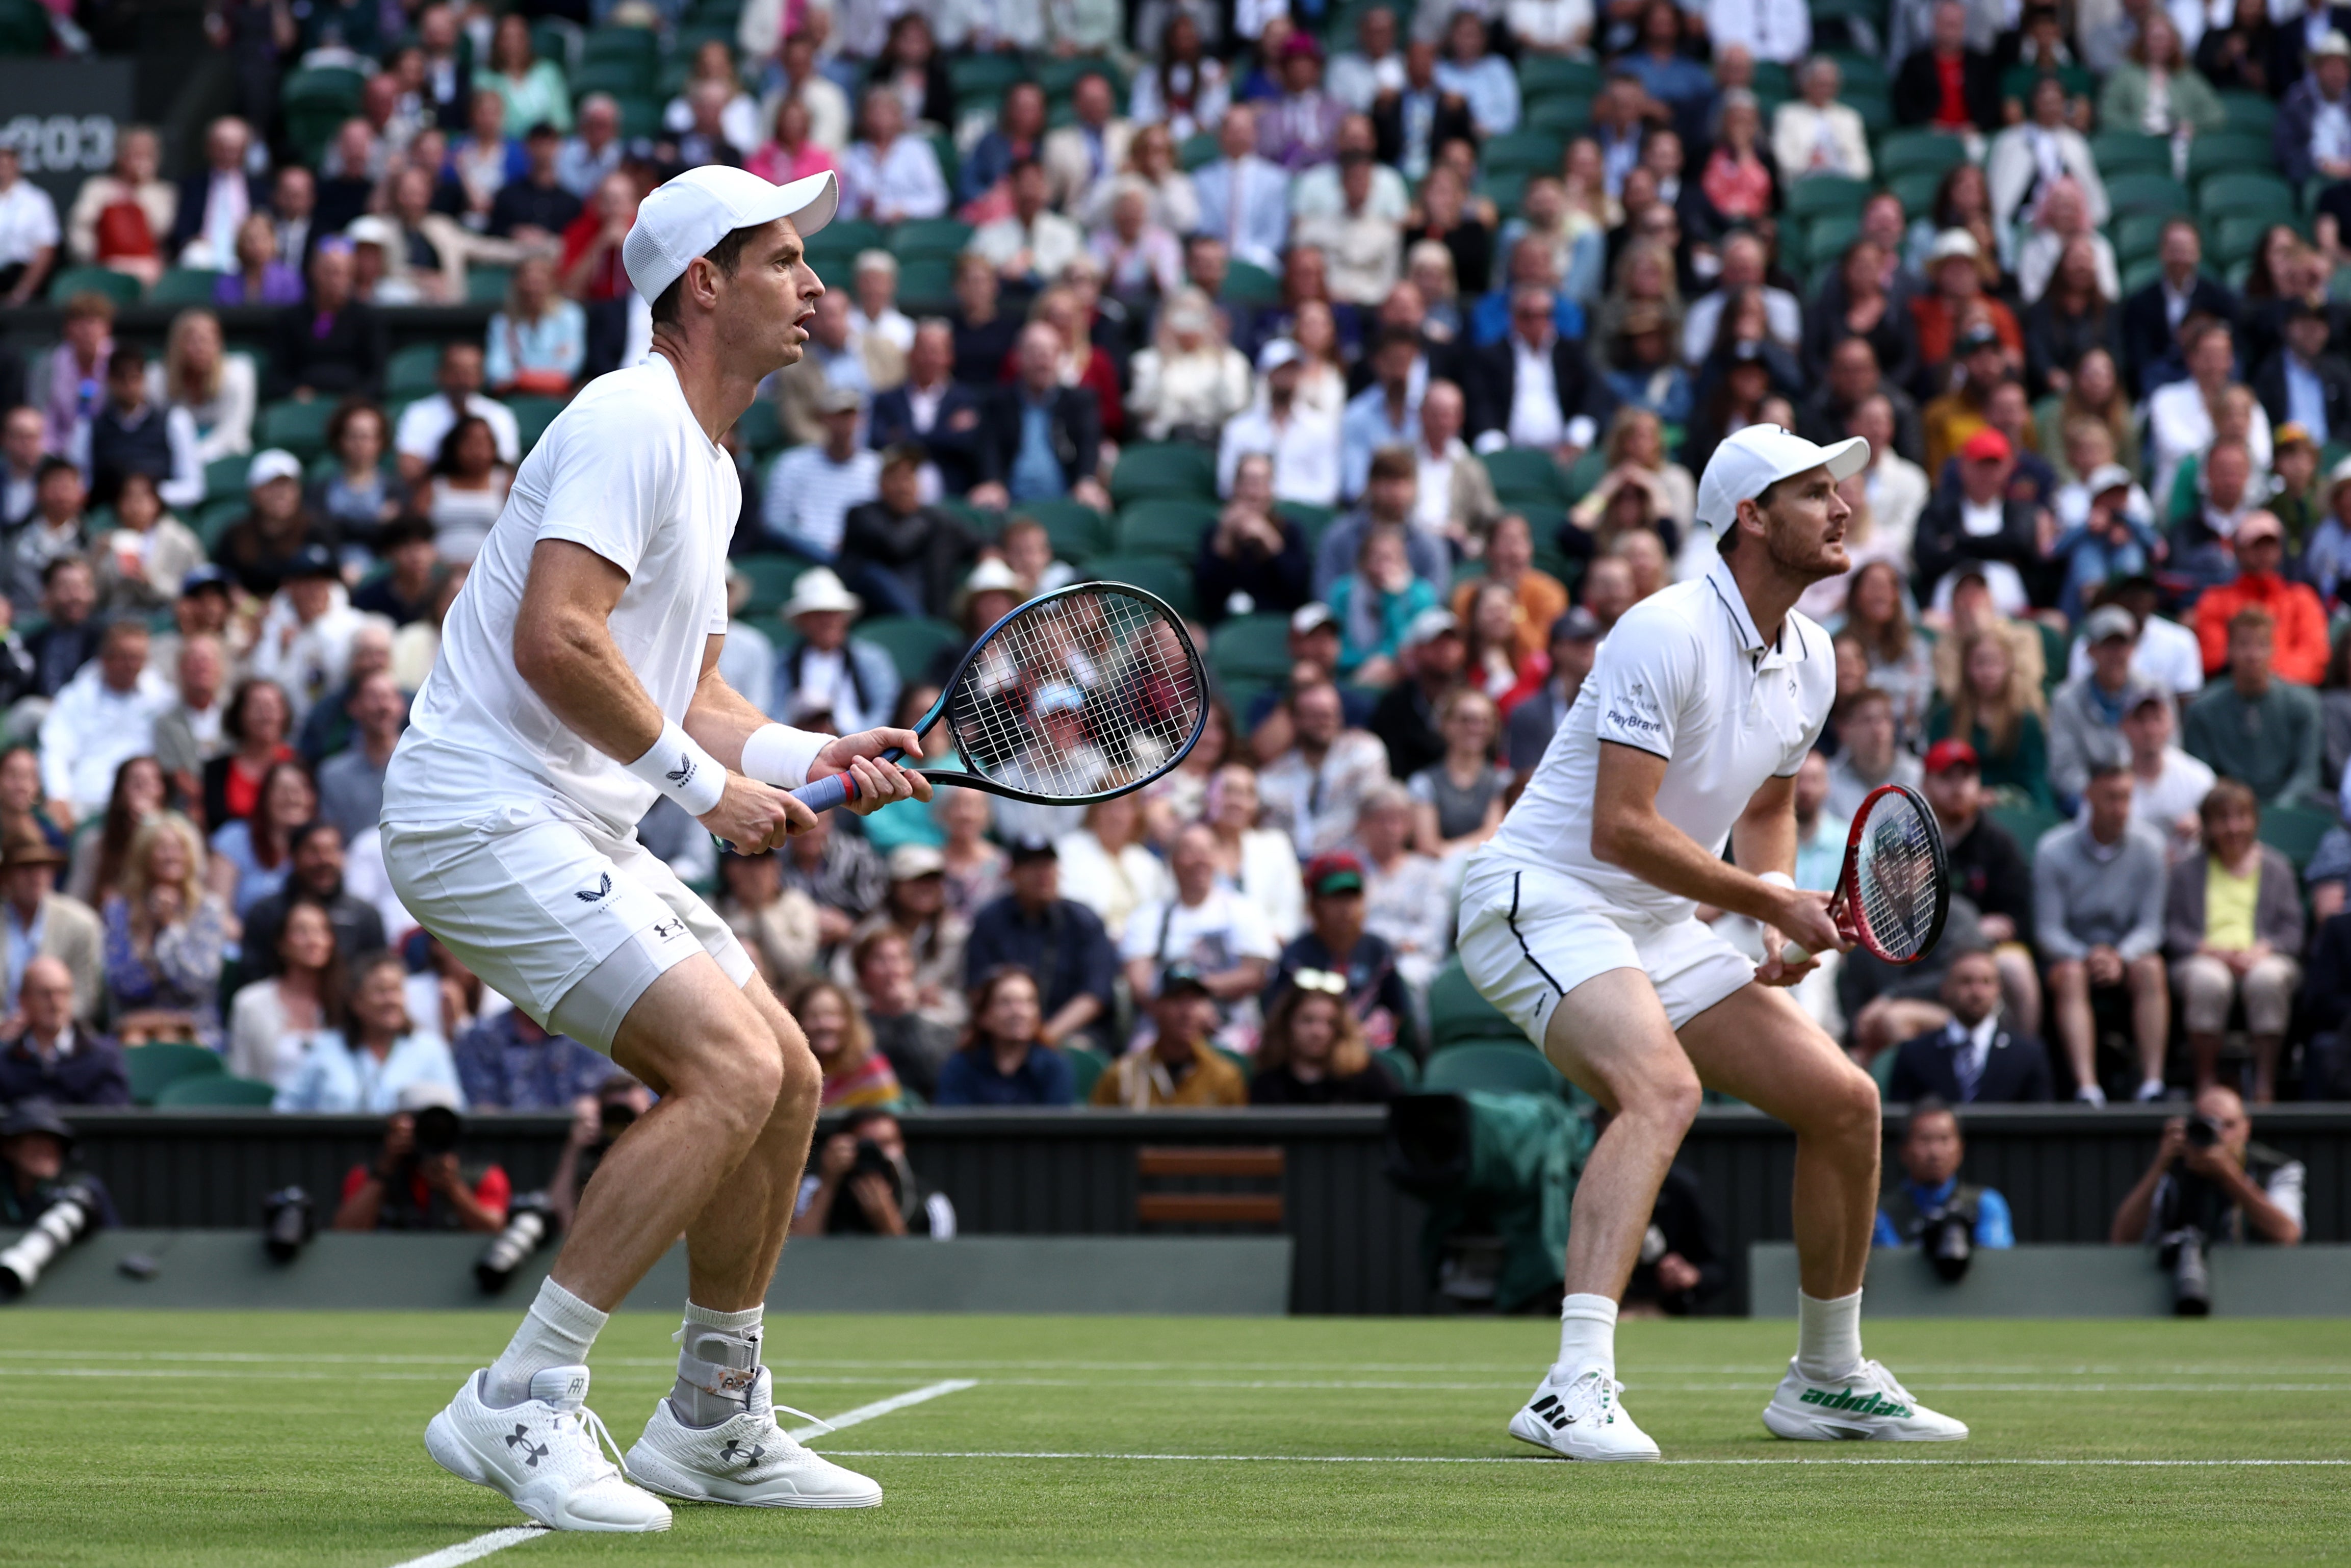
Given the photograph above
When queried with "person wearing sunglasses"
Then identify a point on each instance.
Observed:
(1335, 952)
(1313, 1051)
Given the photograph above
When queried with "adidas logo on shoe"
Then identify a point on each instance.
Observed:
(1871, 1404)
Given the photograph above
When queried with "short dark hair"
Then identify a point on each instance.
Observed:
(725, 256)
(2106, 766)
(126, 357)
(47, 466)
(1924, 1106)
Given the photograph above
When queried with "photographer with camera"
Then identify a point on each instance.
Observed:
(1930, 1207)
(2210, 1183)
(37, 1151)
(617, 1103)
(863, 1185)
(416, 1182)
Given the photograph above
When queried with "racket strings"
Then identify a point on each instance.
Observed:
(1084, 694)
(1895, 879)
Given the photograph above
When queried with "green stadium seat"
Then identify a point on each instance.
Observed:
(413, 372)
(1402, 1065)
(1559, 117)
(1507, 191)
(1152, 574)
(2137, 234)
(553, 39)
(929, 237)
(488, 285)
(911, 641)
(532, 416)
(154, 1068)
(1827, 236)
(633, 44)
(1165, 468)
(624, 79)
(1086, 1067)
(950, 160)
(927, 282)
(2025, 823)
(2127, 152)
(1079, 532)
(2252, 113)
(1251, 647)
(1527, 473)
(1457, 1012)
(1168, 525)
(976, 73)
(1311, 518)
(1773, 80)
(119, 287)
(1550, 76)
(1862, 74)
(2228, 151)
(2294, 831)
(1916, 188)
(1198, 151)
(2147, 191)
(215, 519)
(298, 427)
(1522, 152)
(1503, 1066)
(1059, 77)
(641, 115)
(771, 574)
(184, 285)
(24, 28)
(2138, 275)
(1247, 283)
(216, 1090)
(1918, 152)
(1814, 194)
(225, 479)
(761, 428)
(2247, 192)
(1876, 109)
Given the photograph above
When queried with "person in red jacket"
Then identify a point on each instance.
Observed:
(2301, 646)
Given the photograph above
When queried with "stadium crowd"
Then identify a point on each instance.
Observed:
(1383, 341)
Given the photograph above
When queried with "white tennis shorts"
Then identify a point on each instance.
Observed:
(1529, 937)
(566, 921)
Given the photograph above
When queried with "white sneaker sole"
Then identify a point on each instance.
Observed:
(1535, 1435)
(453, 1453)
(1811, 1429)
(651, 1471)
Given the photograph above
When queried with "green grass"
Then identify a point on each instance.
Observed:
(286, 1438)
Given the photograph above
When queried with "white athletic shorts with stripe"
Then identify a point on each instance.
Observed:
(1529, 935)
(556, 915)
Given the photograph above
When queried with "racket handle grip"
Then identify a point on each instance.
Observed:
(826, 793)
(1794, 954)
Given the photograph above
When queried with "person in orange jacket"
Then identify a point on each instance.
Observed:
(2301, 619)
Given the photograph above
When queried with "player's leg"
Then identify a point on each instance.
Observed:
(715, 1438)
(1758, 1045)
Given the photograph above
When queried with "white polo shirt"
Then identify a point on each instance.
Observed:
(1685, 675)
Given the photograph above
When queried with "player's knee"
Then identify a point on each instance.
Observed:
(799, 1083)
(1668, 1095)
(742, 1075)
(1848, 1112)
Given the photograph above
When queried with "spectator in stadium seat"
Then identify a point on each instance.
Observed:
(1931, 1153)
(144, 557)
(1336, 954)
(855, 1074)
(509, 1063)
(2061, 222)
(1870, 756)
(1091, 148)
(915, 907)
(812, 488)
(2308, 135)
(1107, 865)
(1405, 900)
(64, 383)
(1410, 718)
(164, 934)
(2233, 931)
(1957, 301)
(827, 672)
(2231, 1190)
(120, 217)
(130, 433)
(2153, 316)
(778, 924)
(2180, 417)
(2255, 728)
(839, 874)
(887, 175)
(2098, 902)
(23, 433)
(253, 732)
(1987, 866)
(2303, 382)
(350, 781)
(39, 921)
(531, 91)
(29, 232)
(2030, 160)
(1301, 128)
(2155, 90)
(1537, 598)
(315, 875)
(1996, 710)
(1815, 134)
(214, 200)
(1222, 936)
(1744, 268)
(1003, 1060)
(332, 344)
(1978, 525)
(2086, 715)
(425, 422)
(1314, 790)
(1243, 198)
(1313, 1051)
(2167, 786)
(914, 1041)
(1179, 1069)
(538, 341)
(1573, 639)
(1377, 605)
(2298, 620)
(1040, 439)
(1030, 243)
(1946, 85)
(1484, 81)
(1534, 388)
(50, 1059)
(1390, 500)
(900, 554)
(252, 855)
(1056, 939)
(934, 410)
(102, 718)
(50, 542)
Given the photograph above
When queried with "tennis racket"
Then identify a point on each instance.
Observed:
(1081, 695)
(1895, 887)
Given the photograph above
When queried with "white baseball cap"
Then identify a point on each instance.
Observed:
(686, 217)
(1751, 460)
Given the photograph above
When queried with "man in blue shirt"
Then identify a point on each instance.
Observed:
(1930, 1154)
(509, 1063)
(1060, 942)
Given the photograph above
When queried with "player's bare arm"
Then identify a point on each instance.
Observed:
(722, 721)
(1763, 842)
(1628, 831)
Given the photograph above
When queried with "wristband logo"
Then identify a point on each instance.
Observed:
(683, 774)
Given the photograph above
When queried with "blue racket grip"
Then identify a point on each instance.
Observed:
(836, 790)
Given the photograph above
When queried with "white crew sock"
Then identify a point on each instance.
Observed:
(1828, 1337)
(1587, 1335)
(555, 1332)
(717, 1362)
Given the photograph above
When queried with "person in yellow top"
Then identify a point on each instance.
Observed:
(2232, 925)
(1179, 1068)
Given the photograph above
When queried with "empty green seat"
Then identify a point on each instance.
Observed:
(930, 238)
(1079, 532)
(532, 416)
(1918, 152)
(2252, 113)
(1198, 151)
(1247, 283)
(2244, 193)
(1526, 473)
(184, 285)
(771, 574)
(154, 1068)
(1560, 117)
(1550, 76)
(298, 427)
(1813, 195)
(1457, 1012)
(926, 281)
(2025, 823)
(2126, 151)
(413, 372)
(1164, 468)
(119, 287)
(2294, 831)
(760, 429)
(911, 641)
(2228, 151)
(1503, 1066)
(2147, 192)
(1251, 647)
(225, 479)
(1166, 525)
(1402, 1066)
(1522, 152)
(488, 285)
(1086, 1067)
(1152, 574)
(216, 1089)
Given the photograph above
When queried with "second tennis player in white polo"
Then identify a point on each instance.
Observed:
(578, 681)
(1579, 921)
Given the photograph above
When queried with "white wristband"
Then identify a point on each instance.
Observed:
(1778, 879)
(779, 755)
(682, 770)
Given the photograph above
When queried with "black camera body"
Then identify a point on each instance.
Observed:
(437, 1129)
(1948, 1239)
(2204, 1131)
(287, 1223)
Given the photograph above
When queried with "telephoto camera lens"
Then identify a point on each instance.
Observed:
(2202, 1132)
(64, 1222)
(286, 1224)
(530, 1221)
(1948, 1242)
(2191, 1280)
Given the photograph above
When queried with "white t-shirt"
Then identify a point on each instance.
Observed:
(626, 472)
(2168, 655)
(1686, 677)
(1211, 936)
(426, 422)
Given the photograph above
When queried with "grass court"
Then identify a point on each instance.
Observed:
(294, 1438)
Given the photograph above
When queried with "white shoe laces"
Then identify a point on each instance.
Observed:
(1888, 1383)
(1593, 1392)
(590, 1426)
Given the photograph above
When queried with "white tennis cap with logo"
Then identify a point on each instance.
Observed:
(1751, 460)
(685, 217)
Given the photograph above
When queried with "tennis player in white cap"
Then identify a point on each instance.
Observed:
(1578, 920)
(578, 681)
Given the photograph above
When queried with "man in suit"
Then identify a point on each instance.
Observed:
(1989, 869)
(932, 410)
(1534, 388)
(1973, 1059)
(2151, 317)
(1412, 123)
(216, 199)
(1090, 148)
(1041, 440)
(2302, 383)
(1244, 200)
(50, 1059)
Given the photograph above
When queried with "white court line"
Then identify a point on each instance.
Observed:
(1531, 1459)
(480, 1546)
(881, 1407)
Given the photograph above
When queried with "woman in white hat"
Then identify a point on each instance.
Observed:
(854, 680)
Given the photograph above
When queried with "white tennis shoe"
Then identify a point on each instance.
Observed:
(1870, 1405)
(746, 1460)
(546, 1455)
(1577, 1417)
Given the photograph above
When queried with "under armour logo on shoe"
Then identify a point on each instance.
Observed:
(602, 887)
(531, 1452)
(748, 1453)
